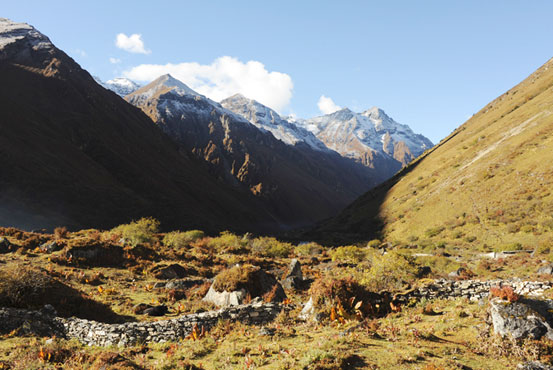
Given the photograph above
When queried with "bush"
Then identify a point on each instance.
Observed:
(345, 297)
(138, 232)
(270, 247)
(506, 293)
(348, 254)
(508, 247)
(228, 242)
(375, 243)
(21, 287)
(390, 272)
(308, 249)
(178, 239)
(434, 231)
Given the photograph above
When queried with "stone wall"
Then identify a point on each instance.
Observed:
(45, 323)
(474, 290)
(101, 334)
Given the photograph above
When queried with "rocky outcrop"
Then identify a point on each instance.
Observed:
(174, 271)
(527, 318)
(6, 246)
(534, 365)
(225, 299)
(23, 322)
(232, 286)
(294, 279)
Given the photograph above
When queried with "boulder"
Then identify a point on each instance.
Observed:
(49, 247)
(6, 246)
(174, 271)
(533, 365)
(232, 286)
(546, 270)
(294, 279)
(527, 318)
(308, 310)
(295, 269)
(97, 254)
(183, 284)
(224, 299)
(156, 310)
(292, 282)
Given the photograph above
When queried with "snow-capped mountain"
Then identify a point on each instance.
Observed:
(362, 135)
(268, 120)
(120, 85)
(12, 32)
(298, 184)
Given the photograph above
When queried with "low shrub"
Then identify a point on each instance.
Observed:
(506, 293)
(434, 231)
(60, 233)
(390, 272)
(179, 239)
(270, 247)
(228, 242)
(138, 232)
(348, 254)
(308, 249)
(346, 298)
(375, 243)
(22, 287)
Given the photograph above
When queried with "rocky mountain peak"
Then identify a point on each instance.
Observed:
(17, 38)
(169, 81)
(267, 119)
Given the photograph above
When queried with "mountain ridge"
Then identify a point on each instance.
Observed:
(96, 160)
(297, 184)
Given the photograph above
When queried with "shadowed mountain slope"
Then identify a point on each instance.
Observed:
(73, 153)
(298, 184)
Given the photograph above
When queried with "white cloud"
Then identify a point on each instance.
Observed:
(326, 105)
(224, 77)
(132, 43)
(82, 53)
(114, 60)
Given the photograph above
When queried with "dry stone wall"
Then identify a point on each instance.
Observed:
(474, 290)
(45, 323)
(100, 334)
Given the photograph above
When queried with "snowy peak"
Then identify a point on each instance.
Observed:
(357, 135)
(122, 86)
(168, 81)
(21, 33)
(267, 119)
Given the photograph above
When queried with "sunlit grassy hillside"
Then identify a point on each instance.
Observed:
(488, 184)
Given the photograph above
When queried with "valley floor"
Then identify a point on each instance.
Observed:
(105, 276)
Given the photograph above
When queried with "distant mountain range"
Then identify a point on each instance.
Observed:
(371, 138)
(74, 153)
(297, 183)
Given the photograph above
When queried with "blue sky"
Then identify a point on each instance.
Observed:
(428, 64)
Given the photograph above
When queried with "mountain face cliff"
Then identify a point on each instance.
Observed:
(267, 119)
(297, 179)
(487, 185)
(73, 153)
(371, 137)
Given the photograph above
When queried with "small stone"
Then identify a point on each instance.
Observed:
(267, 331)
